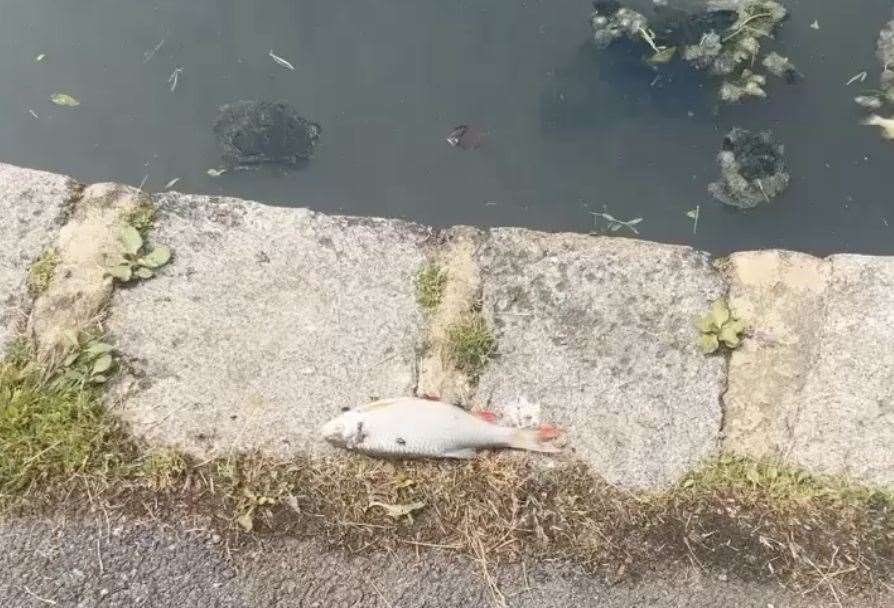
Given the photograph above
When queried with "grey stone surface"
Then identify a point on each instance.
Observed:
(32, 205)
(596, 335)
(813, 385)
(119, 563)
(266, 323)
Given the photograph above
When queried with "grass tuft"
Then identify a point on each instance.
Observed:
(430, 286)
(50, 431)
(41, 272)
(471, 344)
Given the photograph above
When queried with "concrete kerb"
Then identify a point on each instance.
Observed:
(269, 320)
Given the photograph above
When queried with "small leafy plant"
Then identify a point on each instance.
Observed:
(719, 326)
(137, 263)
(89, 360)
(430, 286)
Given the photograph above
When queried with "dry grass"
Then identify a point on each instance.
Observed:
(59, 449)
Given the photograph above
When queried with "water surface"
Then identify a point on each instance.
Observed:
(570, 131)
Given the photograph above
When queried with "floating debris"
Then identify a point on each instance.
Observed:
(148, 55)
(172, 183)
(752, 169)
(174, 79)
(466, 137)
(279, 60)
(64, 99)
(694, 214)
(781, 66)
(861, 77)
(143, 182)
(33, 114)
(216, 172)
(614, 224)
(887, 125)
(40, 58)
(252, 133)
(870, 102)
(723, 39)
(815, 25)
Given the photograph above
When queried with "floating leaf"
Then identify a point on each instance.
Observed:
(156, 258)
(708, 343)
(246, 521)
(815, 25)
(397, 511)
(122, 272)
(102, 364)
(216, 172)
(692, 214)
(663, 55)
(64, 99)
(143, 273)
(634, 221)
(172, 183)
(40, 58)
(719, 313)
(614, 227)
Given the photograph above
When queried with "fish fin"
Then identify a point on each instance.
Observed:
(533, 439)
(463, 453)
(486, 415)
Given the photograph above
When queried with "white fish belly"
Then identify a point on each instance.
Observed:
(421, 428)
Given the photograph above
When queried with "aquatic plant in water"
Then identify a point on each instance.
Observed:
(725, 39)
(883, 97)
(752, 169)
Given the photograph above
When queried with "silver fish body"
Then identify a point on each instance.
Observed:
(407, 427)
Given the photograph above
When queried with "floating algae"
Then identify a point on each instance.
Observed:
(752, 169)
(724, 40)
(883, 98)
(253, 133)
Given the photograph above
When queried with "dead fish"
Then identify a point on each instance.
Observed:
(887, 125)
(408, 427)
(466, 137)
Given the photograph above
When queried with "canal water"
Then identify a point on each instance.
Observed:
(569, 131)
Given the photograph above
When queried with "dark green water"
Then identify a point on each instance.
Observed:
(570, 131)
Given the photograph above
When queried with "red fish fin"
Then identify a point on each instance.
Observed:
(546, 431)
(533, 439)
(486, 415)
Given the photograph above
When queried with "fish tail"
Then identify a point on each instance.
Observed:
(534, 440)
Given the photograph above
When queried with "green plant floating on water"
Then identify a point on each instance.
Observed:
(138, 264)
(719, 327)
(430, 286)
